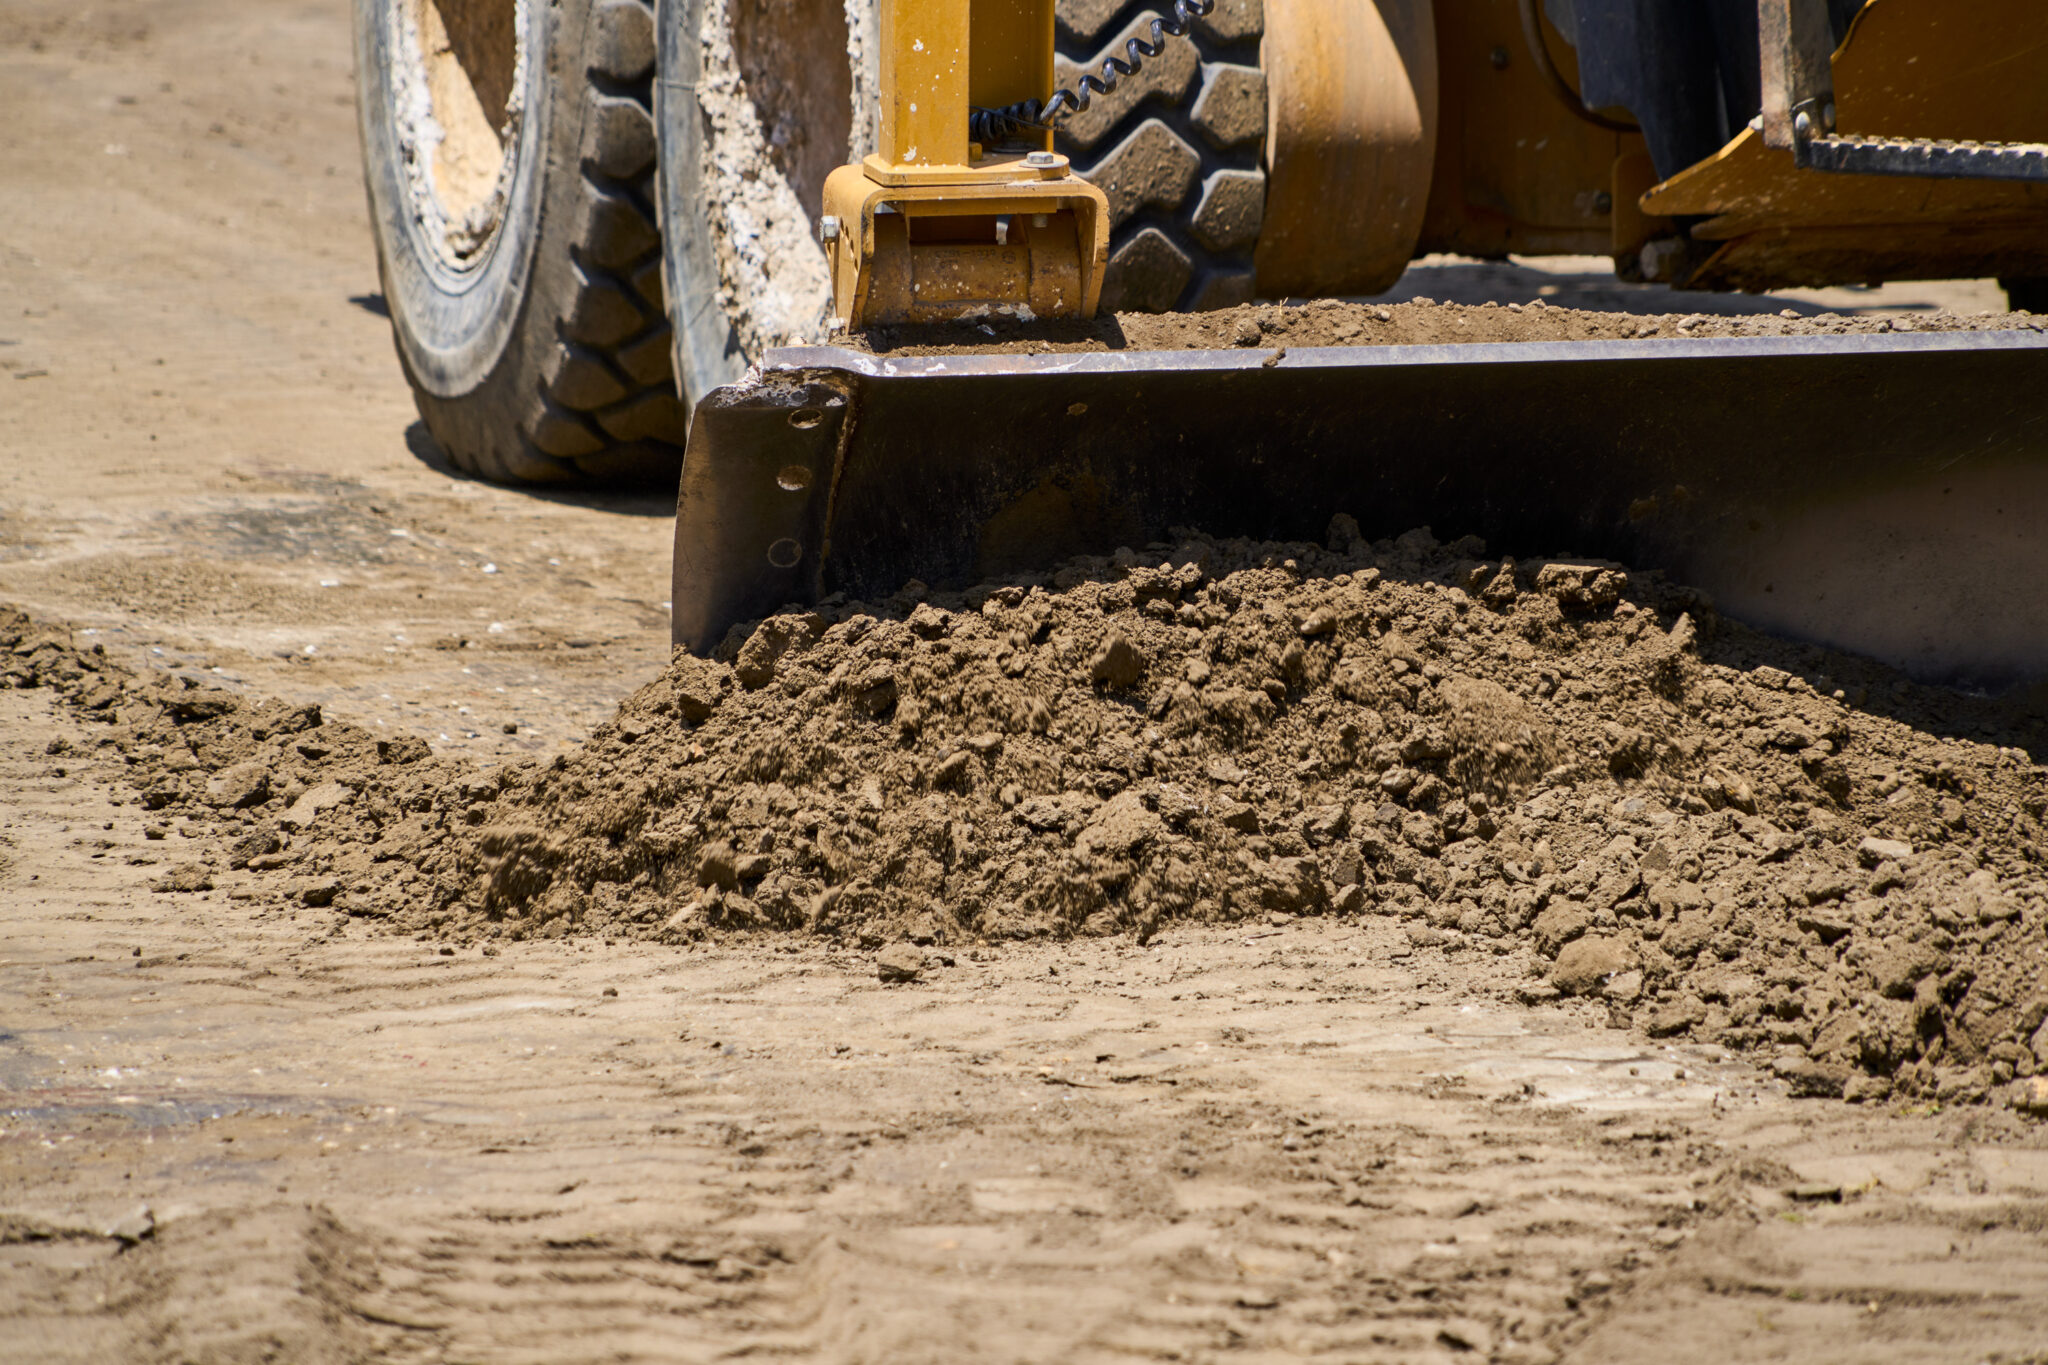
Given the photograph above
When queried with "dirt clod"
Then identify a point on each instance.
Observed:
(900, 964)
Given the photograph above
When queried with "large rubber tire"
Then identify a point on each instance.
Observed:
(1177, 148)
(541, 355)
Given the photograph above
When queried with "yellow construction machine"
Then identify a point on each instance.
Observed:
(620, 238)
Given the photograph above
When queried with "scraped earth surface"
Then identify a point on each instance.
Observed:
(1416, 320)
(405, 959)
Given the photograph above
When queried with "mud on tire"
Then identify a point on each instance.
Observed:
(529, 314)
(1178, 150)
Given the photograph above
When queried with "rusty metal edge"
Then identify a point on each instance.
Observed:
(793, 359)
(743, 434)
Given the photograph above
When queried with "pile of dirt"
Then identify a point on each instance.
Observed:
(1330, 322)
(1724, 836)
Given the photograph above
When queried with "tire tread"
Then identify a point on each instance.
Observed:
(602, 405)
(1158, 261)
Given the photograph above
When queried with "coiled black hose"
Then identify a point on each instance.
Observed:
(993, 127)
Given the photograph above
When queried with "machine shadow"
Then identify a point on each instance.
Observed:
(645, 499)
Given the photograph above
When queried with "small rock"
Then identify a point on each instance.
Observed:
(1585, 964)
(1116, 665)
(952, 769)
(1982, 898)
(256, 843)
(1581, 588)
(316, 891)
(200, 703)
(2030, 1096)
(1466, 1336)
(1961, 1084)
(1809, 1079)
(1676, 1018)
(184, 877)
(696, 686)
(298, 719)
(900, 964)
(1321, 825)
(928, 622)
(312, 803)
(875, 690)
(1349, 900)
(1560, 923)
(1291, 885)
(1499, 591)
(1240, 816)
(1321, 621)
(771, 641)
(1898, 964)
(1827, 886)
(1830, 927)
(244, 784)
(718, 865)
(136, 1227)
(1624, 986)
(1119, 829)
(1817, 1193)
(1725, 787)
(1874, 850)
(404, 749)
(1422, 833)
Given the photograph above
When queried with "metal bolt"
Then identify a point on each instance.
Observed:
(1499, 58)
(1041, 159)
(828, 228)
(1603, 202)
(1827, 117)
(1802, 125)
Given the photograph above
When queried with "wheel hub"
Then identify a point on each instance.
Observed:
(461, 67)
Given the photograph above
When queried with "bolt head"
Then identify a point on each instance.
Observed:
(1041, 159)
(828, 228)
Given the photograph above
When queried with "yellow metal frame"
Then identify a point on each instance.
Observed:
(929, 227)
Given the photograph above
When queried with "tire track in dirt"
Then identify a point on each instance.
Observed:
(1312, 1142)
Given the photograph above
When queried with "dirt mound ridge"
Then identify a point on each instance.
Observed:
(1421, 321)
(1725, 836)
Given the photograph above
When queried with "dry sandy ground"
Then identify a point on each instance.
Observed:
(1273, 1143)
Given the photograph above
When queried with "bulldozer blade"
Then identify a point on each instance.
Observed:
(1886, 493)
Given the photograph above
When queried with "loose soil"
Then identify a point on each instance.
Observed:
(1222, 1098)
(1419, 321)
(1582, 770)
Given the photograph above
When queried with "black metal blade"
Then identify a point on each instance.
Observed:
(835, 470)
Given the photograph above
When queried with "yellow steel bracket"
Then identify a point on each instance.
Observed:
(933, 227)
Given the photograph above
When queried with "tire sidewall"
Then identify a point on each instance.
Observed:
(706, 350)
(452, 327)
